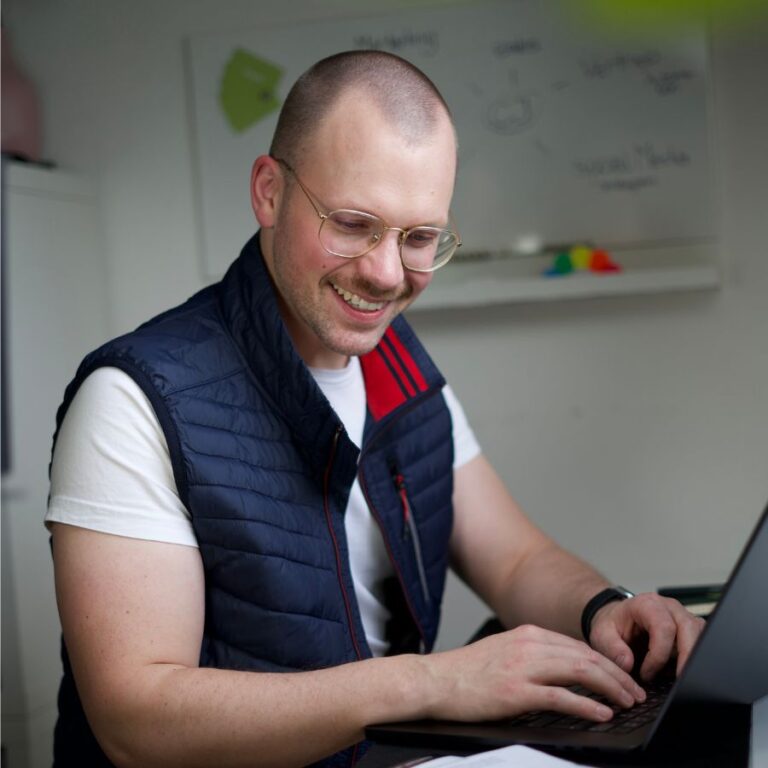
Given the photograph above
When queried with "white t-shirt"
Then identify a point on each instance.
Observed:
(111, 472)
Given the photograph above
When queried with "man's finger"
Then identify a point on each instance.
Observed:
(690, 627)
(659, 621)
(606, 638)
(589, 669)
(557, 699)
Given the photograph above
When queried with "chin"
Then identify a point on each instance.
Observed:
(358, 344)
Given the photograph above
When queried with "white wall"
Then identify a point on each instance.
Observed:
(633, 429)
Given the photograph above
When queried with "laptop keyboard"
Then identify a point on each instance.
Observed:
(623, 721)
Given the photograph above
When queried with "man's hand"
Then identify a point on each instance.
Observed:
(525, 669)
(671, 630)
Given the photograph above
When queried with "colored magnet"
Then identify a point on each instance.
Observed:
(562, 265)
(581, 257)
(601, 262)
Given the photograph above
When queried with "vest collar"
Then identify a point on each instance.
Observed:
(398, 372)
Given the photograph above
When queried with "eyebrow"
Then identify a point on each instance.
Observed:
(328, 210)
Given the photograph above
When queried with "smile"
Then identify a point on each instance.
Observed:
(357, 302)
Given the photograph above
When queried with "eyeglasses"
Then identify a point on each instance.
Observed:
(351, 234)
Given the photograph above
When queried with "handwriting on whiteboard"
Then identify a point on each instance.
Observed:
(665, 79)
(424, 43)
(631, 169)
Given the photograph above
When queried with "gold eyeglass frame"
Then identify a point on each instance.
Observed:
(378, 237)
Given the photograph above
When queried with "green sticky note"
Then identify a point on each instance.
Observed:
(248, 89)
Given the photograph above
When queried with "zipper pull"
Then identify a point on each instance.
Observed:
(331, 456)
(401, 492)
(410, 532)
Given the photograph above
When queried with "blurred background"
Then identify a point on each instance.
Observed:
(633, 428)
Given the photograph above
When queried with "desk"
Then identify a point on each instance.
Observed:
(731, 752)
(386, 756)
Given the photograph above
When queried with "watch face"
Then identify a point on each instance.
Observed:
(625, 592)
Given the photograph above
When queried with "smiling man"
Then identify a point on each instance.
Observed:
(390, 154)
(255, 496)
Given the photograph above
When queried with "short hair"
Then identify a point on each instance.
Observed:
(407, 98)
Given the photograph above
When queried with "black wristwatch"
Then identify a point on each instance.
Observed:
(602, 598)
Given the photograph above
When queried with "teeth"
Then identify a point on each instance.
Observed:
(356, 301)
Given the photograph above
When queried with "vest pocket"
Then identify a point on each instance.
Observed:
(411, 532)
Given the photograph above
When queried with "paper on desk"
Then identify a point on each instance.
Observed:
(508, 757)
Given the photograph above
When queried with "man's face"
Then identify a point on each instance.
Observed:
(335, 307)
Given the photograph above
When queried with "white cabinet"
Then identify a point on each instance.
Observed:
(55, 310)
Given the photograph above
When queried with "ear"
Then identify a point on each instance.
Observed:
(266, 190)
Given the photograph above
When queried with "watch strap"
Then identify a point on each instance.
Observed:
(605, 596)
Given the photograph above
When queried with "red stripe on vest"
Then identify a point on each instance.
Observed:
(383, 391)
(387, 385)
(406, 358)
(392, 358)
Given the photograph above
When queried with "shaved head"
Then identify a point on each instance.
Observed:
(406, 98)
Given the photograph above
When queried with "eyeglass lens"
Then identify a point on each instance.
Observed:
(354, 233)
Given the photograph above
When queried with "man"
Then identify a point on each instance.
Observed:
(255, 496)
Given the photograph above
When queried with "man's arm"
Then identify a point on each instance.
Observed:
(527, 578)
(132, 613)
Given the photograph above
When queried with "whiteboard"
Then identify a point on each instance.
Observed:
(565, 134)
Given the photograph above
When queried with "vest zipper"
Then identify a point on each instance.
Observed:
(329, 522)
(363, 485)
(377, 517)
(411, 532)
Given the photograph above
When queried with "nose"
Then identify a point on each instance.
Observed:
(382, 266)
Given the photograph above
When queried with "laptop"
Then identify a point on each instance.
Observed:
(726, 672)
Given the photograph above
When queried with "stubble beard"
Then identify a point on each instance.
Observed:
(308, 313)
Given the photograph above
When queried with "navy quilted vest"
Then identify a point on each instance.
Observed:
(264, 466)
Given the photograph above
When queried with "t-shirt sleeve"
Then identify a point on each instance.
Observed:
(465, 445)
(111, 470)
